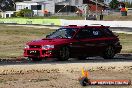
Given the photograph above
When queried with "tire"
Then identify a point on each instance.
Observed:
(82, 58)
(64, 54)
(36, 59)
(109, 53)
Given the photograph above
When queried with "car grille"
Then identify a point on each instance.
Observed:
(35, 46)
(43, 52)
(33, 52)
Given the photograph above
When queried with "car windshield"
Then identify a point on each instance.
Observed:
(63, 33)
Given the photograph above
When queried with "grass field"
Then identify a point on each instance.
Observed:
(13, 39)
(117, 18)
(112, 17)
(126, 41)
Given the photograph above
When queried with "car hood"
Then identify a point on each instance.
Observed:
(47, 42)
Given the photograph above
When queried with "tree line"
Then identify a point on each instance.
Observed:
(128, 4)
(9, 5)
(114, 4)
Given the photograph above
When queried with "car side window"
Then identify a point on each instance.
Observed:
(108, 32)
(84, 33)
(97, 33)
(90, 33)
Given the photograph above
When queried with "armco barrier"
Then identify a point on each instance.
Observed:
(32, 21)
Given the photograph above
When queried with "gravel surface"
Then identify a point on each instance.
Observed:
(57, 74)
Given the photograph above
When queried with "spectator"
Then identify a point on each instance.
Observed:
(79, 13)
(46, 13)
(101, 16)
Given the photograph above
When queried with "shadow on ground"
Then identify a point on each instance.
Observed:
(117, 58)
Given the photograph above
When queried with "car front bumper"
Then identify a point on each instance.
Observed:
(39, 53)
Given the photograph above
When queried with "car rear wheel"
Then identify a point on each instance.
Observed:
(82, 57)
(109, 53)
(64, 54)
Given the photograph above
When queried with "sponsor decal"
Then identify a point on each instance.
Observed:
(33, 51)
(85, 81)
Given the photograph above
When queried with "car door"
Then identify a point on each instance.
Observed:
(86, 41)
(81, 45)
(89, 41)
(98, 40)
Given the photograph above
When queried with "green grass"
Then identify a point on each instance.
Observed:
(14, 38)
(62, 17)
(112, 17)
(126, 41)
(117, 18)
(52, 17)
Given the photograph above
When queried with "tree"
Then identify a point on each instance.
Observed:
(114, 4)
(128, 4)
(8, 5)
(1, 1)
(24, 13)
(100, 0)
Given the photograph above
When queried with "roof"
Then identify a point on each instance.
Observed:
(8, 12)
(87, 26)
(98, 3)
(30, 2)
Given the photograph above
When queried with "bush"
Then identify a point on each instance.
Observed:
(24, 13)
(114, 4)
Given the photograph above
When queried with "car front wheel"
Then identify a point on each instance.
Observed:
(64, 53)
(109, 53)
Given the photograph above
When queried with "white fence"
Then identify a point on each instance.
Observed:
(90, 22)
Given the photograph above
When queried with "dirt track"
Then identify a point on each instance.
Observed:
(52, 74)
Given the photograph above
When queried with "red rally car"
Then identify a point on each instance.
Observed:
(75, 42)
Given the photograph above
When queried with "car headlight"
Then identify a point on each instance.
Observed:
(48, 47)
(26, 46)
